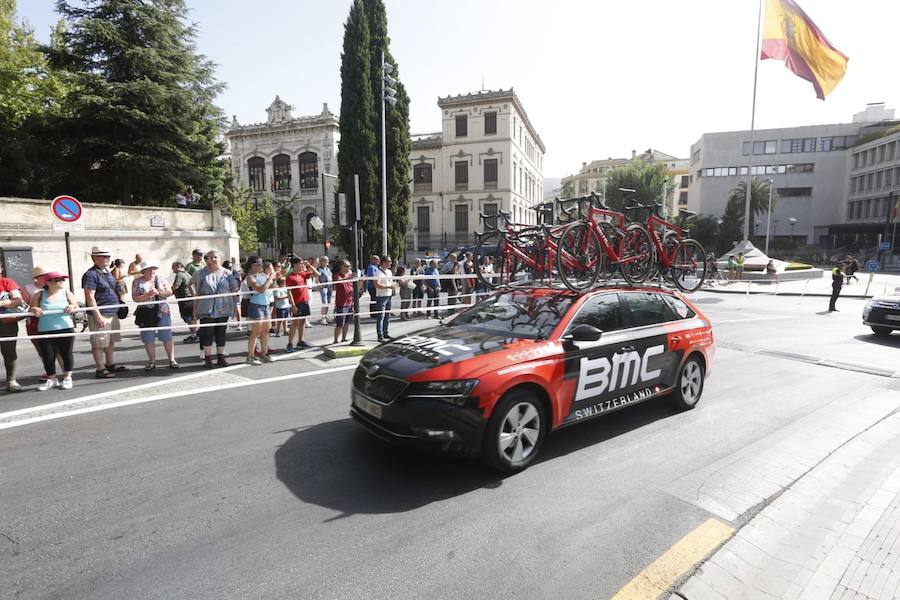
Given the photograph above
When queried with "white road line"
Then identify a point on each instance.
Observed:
(190, 392)
(718, 322)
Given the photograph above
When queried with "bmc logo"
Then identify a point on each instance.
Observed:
(599, 375)
(425, 343)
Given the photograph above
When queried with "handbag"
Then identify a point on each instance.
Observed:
(146, 316)
(122, 313)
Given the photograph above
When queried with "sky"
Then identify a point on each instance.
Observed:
(598, 78)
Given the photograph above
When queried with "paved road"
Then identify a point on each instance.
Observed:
(265, 489)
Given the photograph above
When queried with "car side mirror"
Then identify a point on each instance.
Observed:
(584, 333)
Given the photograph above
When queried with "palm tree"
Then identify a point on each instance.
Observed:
(759, 199)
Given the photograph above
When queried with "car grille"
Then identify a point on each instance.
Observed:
(380, 388)
(879, 315)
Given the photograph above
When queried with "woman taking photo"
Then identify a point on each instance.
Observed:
(54, 305)
(145, 288)
(260, 277)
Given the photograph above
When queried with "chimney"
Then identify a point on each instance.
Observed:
(583, 165)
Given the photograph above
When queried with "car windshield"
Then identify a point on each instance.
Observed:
(522, 314)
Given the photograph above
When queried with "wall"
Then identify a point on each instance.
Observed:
(123, 230)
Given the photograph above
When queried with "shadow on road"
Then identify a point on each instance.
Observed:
(339, 466)
(888, 342)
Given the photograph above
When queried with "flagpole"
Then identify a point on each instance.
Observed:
(752, 125)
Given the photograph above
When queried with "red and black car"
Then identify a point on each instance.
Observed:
(498, 377)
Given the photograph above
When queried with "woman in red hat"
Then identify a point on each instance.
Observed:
(54, 306)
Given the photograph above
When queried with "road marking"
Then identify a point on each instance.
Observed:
(677, 561)
(166, 396)
(718, 322)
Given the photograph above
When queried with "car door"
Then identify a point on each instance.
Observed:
(648, 341)
(588, 364)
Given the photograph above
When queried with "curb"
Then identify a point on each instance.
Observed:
(769, 293)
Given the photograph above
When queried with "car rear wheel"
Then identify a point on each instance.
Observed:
(515, 433)
(882, 332)
(689, 384)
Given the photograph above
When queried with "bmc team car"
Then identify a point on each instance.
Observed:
(497, 378)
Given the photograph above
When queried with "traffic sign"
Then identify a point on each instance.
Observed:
(872, 266)
(884, 246)
(66, 208)
(317, 223)
(68, 227)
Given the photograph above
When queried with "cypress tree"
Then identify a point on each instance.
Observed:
(142, 124)
(399, 142)
(358, 154)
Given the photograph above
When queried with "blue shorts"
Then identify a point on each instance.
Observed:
(325, 295)
(257, 312)
(148, 336)
(342, 315)
(283, 313)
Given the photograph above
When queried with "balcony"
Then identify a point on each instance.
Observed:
(422, 188)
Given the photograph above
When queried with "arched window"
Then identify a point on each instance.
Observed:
(309, 171)
(256, 168)
(281, 172)
(310, 230)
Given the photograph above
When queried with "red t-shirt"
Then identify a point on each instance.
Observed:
(7, 285)
(300, 295)
(343, 292)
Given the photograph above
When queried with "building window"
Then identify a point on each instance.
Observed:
(423, 219)
(490, 214)
(422, 178)
(462, 176)
(490, 123)
(462, 126)
(732, 171)
(888, 176)
(309, 171)
(881, 150)
(515, 175)
(788, 192)
(878, 179)
(256, 168)
(801, 168)
(461, 212)
(281, 172)
(682, 199)
(891, 147)
(490, 174)
(685, 181)
(310, 230)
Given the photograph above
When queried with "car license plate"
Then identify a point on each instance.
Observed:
(367, 405)
(892, 317)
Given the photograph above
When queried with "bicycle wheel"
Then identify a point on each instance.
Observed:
(492, 245)
(689, 267)
(636, 254)
(579, 259)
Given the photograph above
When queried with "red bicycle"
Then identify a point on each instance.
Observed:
(680, 260)
(587, 245)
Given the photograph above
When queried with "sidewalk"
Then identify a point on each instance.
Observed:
(881, 284)
(834, 533)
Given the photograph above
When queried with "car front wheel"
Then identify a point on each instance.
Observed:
(689, 384)
(515, 433)
(882, 332)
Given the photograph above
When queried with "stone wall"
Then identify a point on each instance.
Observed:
(159, 234)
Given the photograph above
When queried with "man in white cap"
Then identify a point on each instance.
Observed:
(100, 294)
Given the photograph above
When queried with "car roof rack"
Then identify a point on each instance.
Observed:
(605, 284)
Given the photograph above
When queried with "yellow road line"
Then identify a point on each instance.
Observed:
(678, 560)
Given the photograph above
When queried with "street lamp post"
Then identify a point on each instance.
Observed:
(792, 221)
(769, 214)
(325, 212)
(389, 95)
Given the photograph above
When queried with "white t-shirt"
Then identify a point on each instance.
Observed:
(385, 277)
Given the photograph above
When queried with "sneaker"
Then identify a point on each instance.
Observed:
(304, 345)
(266, 358)
(43, 377)
(220, 361)
(49, 384)
(13, 386)
(252, 360)
(324, 321)
(289, 349)
(191, 339)
(66, 383)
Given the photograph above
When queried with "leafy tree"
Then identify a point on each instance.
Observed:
(31, 91)
(358, 154)
(705, 229)
(568, 189)
(730, 228)
(759, 199)
(647, 179)
(399, 142)
(143, 124)
(248, 213)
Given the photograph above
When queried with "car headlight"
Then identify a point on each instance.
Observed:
(454, 391)
(867, 309)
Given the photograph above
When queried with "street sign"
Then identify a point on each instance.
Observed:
(884, 246)
(872, 266)
(317, 223)
(157, 221)
(66, 208)
(68, 227)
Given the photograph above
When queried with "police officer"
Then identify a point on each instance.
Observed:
(837, 280)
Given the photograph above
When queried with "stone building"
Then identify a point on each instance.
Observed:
(286, 156)
(487, 157)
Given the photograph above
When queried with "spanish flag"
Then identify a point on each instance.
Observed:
(791, 36)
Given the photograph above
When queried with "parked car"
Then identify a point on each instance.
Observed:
(882, 314)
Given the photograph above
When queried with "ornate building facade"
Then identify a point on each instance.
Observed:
(286, 156)
(487, 157)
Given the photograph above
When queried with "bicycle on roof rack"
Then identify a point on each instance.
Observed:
(517, 252)
(601, 242)
(680, 260)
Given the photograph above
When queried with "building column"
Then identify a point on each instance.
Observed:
(270, 175)
(295, 175)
